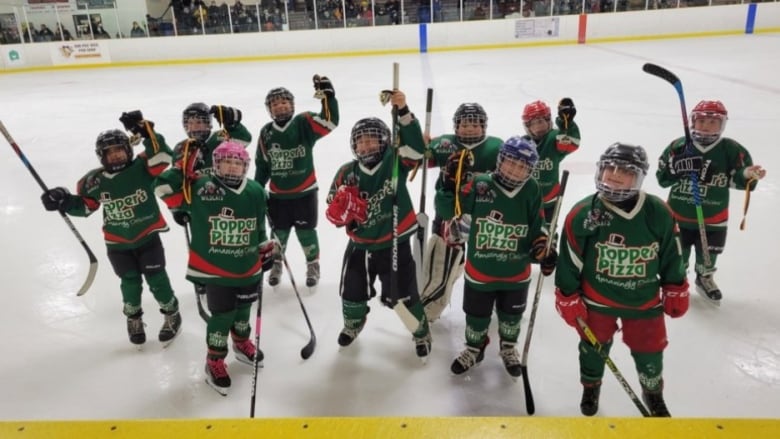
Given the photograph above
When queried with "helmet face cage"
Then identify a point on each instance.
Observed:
(537, 110)
(621, 159)
(230, 150)
(471, 113)
(373, 128)
(194, 113)
(708, 109)
(280, 93)
(516, 149)
(110, 139)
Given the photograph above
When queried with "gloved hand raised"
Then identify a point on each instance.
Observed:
(133, 121)
(228, 117)
(57, 198)
(347, 206)
(566, 110)
(323, 88)
(462, 160)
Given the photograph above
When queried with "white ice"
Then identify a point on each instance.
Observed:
(68, 357)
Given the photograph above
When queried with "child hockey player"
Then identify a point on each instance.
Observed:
(553, 145)
(132, 221)
(444, 262)
(506, 235)
(619, 248)
(720, 163)
(285, 158)
(228, 252)
(361, 200)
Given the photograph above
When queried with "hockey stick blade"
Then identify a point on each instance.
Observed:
(308, 350)
(530, 407)
(93, 266)
(661, 72)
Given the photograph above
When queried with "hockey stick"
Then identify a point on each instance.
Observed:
(422, 217)
(746, 204)
(202, 310)
(530, 407)
(307, 350)
(93, 264)
(600, 349)
(255, 360)
(671, 78)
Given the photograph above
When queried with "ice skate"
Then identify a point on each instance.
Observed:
(170, 328)
(217, 376)
(245, 352)
(135, 329)
(275, 276)
(348, 335)
(589, 404)
(706, 286)
(511, 359)
(654, 400)
(469, 358)
(423, 347)
(312, 274)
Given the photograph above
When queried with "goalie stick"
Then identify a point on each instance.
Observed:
(671, 78)
(422, 217)
(530, 407)
(93, 264)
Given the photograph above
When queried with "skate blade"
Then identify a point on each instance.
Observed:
(221, 390)
(423, 360)
(165, 344)
(713, 302)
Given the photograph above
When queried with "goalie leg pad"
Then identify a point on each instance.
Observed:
(442, 266)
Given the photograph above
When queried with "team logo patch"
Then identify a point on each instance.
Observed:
(597, 218)
(211, 192)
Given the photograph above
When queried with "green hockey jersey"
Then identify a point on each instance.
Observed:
(619, 260)
(552, 149)
(284, 155)
(504, 224)
(485, 154)
(238, 134)
(725, 162)
(130, 211)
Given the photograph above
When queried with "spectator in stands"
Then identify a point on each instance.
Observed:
(137, 31)
(45, 34)
(479, 13)
(62, 34)
(393, 11)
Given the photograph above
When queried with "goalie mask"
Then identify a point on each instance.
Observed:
(196, 121)
(113, 149)
(470, 123)
(516, 160)
(280, 104)
(621, 170)
(231, 163)
(708, 120)
(370, 138)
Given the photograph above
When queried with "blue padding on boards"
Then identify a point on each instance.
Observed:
(751, 18)
(423, 38)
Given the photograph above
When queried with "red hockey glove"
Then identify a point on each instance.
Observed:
(346, 207)
(570, 307)
(455, 232)
(547, 263)
(675, 299)
(269, 251)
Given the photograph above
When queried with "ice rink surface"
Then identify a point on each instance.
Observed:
(68, 357)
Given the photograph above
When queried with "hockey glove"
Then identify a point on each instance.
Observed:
(683, 165)
(57, 198)
(133, 121)
(566, 111)
(347, 206)
(181, 217)
(570, 307)
(188, 156)
(547, 263)
(675, 299)
(228, 117)
(269, 251)
(323, 88)
(457, 169)
(453, 232)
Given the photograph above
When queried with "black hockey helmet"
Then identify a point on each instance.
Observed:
(625, 158)
(372, 127)
(281, 118)
(110, 139)
(197, 112)
(470, 112)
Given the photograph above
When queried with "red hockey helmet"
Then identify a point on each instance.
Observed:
(537, 110)
(711, 110)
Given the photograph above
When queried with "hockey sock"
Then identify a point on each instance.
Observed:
(476, 330)
(702, 269)
(241, 327)
(131, 286)
(650, 367)
(591, 363)
(508, 326)
(217, 331)
(283, 235)
(161, 289)
(419, 313)
(309, 243)
(354, 313)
